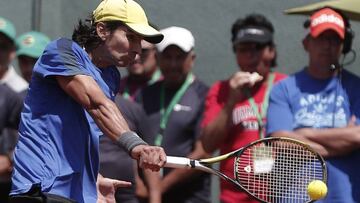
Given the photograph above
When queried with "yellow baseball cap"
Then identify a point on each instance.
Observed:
(131, 14)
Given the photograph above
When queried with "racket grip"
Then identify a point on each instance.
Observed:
(177, 162)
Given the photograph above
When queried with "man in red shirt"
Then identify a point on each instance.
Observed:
(235, 109)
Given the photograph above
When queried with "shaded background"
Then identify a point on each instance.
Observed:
(209, 20)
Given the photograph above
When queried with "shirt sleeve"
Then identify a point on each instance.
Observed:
(279, 114)
(62, 57)
(203, 89)
(213, 105)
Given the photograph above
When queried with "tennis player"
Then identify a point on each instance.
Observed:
(69, 106)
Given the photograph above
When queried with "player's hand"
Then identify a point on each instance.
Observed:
(239, 81)
(149, 157)
(106, 189)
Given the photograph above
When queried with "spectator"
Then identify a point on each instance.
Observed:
(235, 109)
(174, 107)
(10, 78)
(8, 74)
(320, 105)
(10, 104)
(30, 46)
(141, 73)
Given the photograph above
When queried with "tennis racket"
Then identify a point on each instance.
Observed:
(271, 169)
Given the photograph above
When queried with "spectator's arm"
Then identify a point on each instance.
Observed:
(214, 134)
(328, 142)
(177, 176)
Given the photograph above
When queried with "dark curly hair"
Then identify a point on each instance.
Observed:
(85, 32)
(253, 20)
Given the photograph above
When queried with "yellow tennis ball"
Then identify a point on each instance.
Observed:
(317, 189)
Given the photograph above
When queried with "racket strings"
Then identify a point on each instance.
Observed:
(278, 171)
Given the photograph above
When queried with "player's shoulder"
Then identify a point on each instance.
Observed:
(63, 45)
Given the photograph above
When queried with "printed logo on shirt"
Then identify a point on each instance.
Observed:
(321, 111)
(245, 116)
(179, 107)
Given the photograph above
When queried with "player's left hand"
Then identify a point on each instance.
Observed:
(106, 188)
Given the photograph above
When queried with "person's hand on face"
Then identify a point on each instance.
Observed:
(239, 81)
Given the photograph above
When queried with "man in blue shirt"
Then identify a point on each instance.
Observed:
(70, 105)
(320, 105)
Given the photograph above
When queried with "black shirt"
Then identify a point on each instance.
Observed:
(11, 105)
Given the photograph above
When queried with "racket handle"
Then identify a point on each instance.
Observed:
(178, 162)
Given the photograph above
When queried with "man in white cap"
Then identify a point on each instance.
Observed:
(174, 107)
(320, 105)
(70, 105)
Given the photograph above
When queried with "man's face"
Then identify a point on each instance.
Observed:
(175, 64)
(26, 65)
(121, 47)
(146, 63)
(7, 51)
(324, 49)
(254, 57)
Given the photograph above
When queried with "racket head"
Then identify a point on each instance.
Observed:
(278, 169)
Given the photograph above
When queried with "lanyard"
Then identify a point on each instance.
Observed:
(264, 104)
(155, 77)
(126, 93)
(165, 114)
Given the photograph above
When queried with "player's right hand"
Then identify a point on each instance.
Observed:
(149, 157)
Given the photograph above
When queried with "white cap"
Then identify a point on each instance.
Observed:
(178, 36)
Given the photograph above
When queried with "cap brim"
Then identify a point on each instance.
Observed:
(30, 53)
(254, 39)
(149, 33)
(320, 30)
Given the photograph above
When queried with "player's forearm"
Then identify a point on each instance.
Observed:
(109, 119)
(214, 134)
(88, 94)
